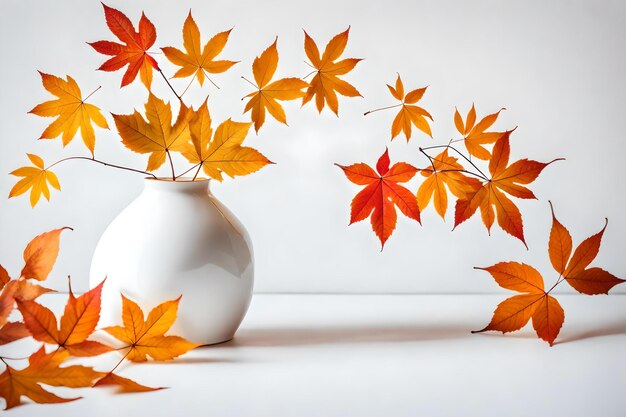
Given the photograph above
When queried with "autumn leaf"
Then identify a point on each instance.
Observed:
(12, 331)
(536, 303)
(122, 384)
(36, 179)
(326, 83)
(505, 179)
(78, 322)
(382, 193)
(146, 337)
(156, 135)
(134, 49)
(194, 61)
(41, 254)
(70, 110)
(221, 152)
(590, 281)
(514, 313)
(410, 114)
(475, 135)
(445, 172)
(43, 368)
(4, 277)
(268, 93)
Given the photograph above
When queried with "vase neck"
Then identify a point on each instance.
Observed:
(181, 186)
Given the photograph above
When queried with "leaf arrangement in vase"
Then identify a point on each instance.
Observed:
(478, 178)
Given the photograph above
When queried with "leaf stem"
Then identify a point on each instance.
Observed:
(193, 167)
(169, 157)
(102, 163)
(170, 85)
(197, 172)
(460, 154)
(188, 85)
(250, 82)
(382, 108)
(91, 94)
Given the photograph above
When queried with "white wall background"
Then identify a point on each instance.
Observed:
(557, 66)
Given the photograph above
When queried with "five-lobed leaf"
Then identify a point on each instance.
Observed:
(156, 134)
(475, 135)
(36, 178)
(326, 83)
(444, 172)
(505, 179)
(410, 114)
(78, 322)
(382, 194)
(146, 337)
(221, 152)
(268, 95)
(134, 51)
(195, 61)
(70, 110)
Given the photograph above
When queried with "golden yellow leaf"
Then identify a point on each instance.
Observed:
(70, 110)
(156, 135)
(326, 83)
(195, 61)
(409, 115)
(35, 179)
(268, 94)
(223, 153)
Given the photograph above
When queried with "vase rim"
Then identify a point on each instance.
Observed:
(186, 180)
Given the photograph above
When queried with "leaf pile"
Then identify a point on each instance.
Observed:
(70, 336)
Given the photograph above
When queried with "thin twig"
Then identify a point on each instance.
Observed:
(169, 156)
(250, 82)
(197, 172)
(102, 163)
(193, 167)
(92, 93)
(460, 154)
(382, 108)
(189, 85)
(170, 85)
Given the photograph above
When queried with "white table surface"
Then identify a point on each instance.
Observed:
(379, 355)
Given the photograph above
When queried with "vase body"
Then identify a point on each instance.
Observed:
(176, 239)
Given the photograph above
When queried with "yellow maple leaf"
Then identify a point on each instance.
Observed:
(195, 61)
(222, 152)
(70, 110)
(156, 135)
(35, 179)
(326, 83)
(268, 94)
(146, 337)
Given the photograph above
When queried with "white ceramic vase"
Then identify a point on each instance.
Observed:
(176, 239)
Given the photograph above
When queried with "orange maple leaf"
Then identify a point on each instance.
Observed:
(326, 83)
(70, 110)
(134, 50)
(445, 172)
(534, 302)
(474, 135)
(409, 114)
(537, 303)
(156, 135)
(221, 152)
(268, 94)
(43, 368)
(590, 281)
(78, 322)
(505, 178)
(146, 337)
(36, 179)
(196, 62)
(382, 193)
